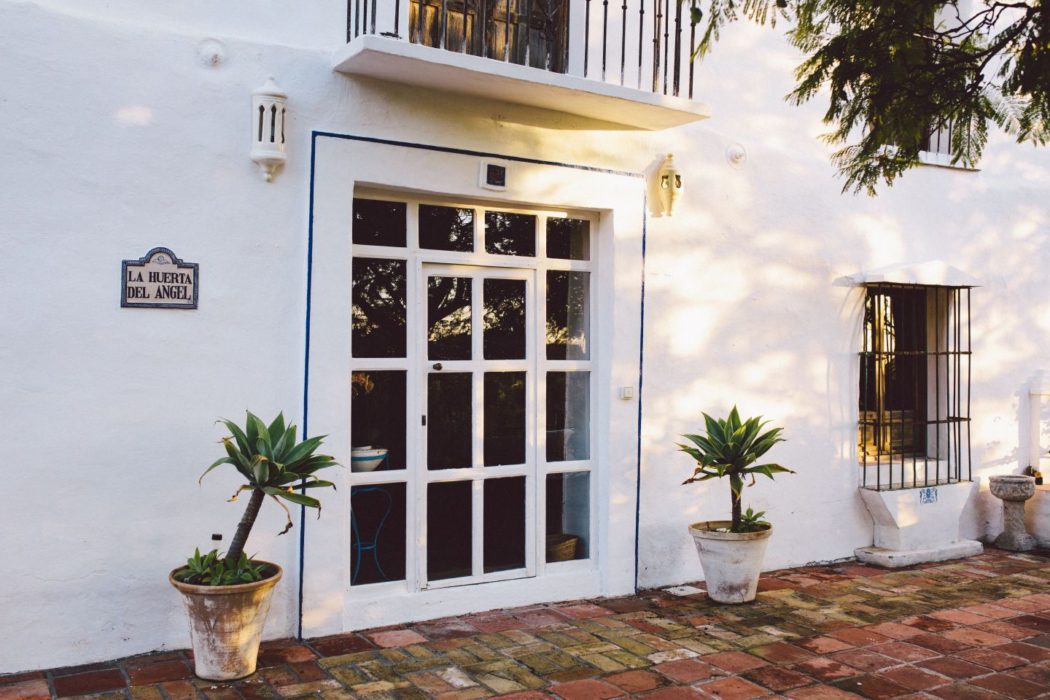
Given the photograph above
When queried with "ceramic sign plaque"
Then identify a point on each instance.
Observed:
(158, 280)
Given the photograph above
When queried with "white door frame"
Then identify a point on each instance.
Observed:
(344, 164)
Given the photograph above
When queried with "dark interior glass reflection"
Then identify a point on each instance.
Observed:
(377, 414)
(568, 416)
(537, 35)
(567, 315)
(568, 516)
(378, 311)
(448, 318)
(510, 234)
(379, 223)
(449, 420)
(446, 228)
(504, 440)
(569, 239)
(377, 533)
(449, 515)
(505, 314)
(504, 542)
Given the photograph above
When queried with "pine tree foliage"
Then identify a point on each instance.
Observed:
(894, 71)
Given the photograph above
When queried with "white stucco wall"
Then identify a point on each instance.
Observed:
(118, 137)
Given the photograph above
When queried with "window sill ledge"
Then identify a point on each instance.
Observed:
(891, 477)
(943, 160)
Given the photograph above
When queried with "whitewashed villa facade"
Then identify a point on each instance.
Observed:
(466, 261)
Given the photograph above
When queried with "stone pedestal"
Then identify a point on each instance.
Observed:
(1013, 490)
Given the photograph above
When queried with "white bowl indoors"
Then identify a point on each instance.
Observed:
(366, 458)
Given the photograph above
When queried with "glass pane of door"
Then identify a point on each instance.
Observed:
(504, 337)
(568, 516)
(449, 528)
(446, 228)
(378, 328)
(568, 315)
(507, 233)
(504, 438)
(377, 423)
(449, 438)
(377, 533)
(379, 223)
(568, 416)
(448, 318)
(504, 524)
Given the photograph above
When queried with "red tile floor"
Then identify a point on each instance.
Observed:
(974, 628)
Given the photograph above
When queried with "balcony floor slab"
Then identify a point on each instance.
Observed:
(422, 66)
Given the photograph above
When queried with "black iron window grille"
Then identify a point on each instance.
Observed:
(939, 140)
(914, 407)
(641, 41)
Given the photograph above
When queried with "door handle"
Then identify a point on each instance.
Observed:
(437, 366)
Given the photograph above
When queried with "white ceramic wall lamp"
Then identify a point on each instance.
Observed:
(669, 183)
(269, 110)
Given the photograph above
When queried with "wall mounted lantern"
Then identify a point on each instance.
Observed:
(669, 181)
(269, 109)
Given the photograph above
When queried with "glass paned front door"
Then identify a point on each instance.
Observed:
(472, 384)
(480, 422)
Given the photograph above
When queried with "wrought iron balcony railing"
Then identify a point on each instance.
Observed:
(640, 44)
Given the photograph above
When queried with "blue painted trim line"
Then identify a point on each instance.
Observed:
(468, 152)
(309, 282)
(306, 370)
(641, 364)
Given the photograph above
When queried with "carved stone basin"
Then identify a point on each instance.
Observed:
(1012, 487)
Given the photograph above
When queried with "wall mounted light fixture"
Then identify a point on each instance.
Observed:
(669, 182)
(269, 110)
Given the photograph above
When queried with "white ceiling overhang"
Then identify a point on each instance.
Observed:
(933, 273)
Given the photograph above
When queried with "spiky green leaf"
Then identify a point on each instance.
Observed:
(769, 470)
(294, 497)
(302, 451)
(276, 428)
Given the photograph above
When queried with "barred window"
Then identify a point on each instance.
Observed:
(914, 390)
(939, 140)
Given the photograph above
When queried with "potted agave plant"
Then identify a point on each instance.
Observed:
(227, 598)
(731, 551)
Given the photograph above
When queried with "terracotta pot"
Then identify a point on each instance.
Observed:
(226, 624)
(731, 561)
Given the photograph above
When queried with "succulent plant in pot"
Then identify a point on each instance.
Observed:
(228, 597)
(731, 551)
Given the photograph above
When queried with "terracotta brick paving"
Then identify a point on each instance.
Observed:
(976, 628)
